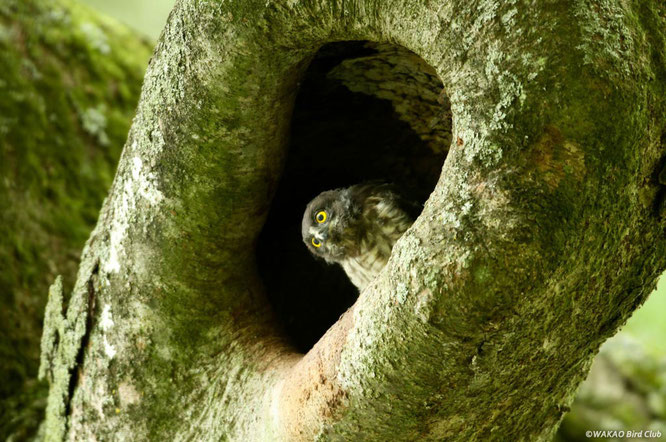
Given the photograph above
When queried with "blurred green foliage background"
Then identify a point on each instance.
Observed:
(648, 324)
(145, 16)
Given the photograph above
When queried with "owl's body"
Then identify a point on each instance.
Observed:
(356, 227)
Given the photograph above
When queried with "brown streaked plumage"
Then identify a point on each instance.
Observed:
(356, 227)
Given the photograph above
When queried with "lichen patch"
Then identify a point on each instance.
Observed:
(106, 321)
(139, 185)
(109, 349)
(128, 394)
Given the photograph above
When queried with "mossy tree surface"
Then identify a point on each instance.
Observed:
(544, 232)
(69, 83)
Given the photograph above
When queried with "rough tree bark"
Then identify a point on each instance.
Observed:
(544, 232)
(69, 84)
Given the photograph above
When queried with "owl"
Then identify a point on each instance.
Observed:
(356, 227)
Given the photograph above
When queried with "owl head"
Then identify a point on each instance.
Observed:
(328, 225)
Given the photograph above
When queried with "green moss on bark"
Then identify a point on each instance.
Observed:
(531, 250)
(69, 83)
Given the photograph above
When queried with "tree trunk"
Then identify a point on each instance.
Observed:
(69, 84)
(545, 230)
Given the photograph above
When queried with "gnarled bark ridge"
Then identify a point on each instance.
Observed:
(69, 85)
(544, 232)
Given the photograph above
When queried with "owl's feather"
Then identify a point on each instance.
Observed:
(363, 223)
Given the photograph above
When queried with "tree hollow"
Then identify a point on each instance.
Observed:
(364, 111)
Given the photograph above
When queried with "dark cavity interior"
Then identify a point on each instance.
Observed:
(364, 111)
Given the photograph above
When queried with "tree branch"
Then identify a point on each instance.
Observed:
(531, 250)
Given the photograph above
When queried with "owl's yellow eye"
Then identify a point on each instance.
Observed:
(321, 216)
(316, 242)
